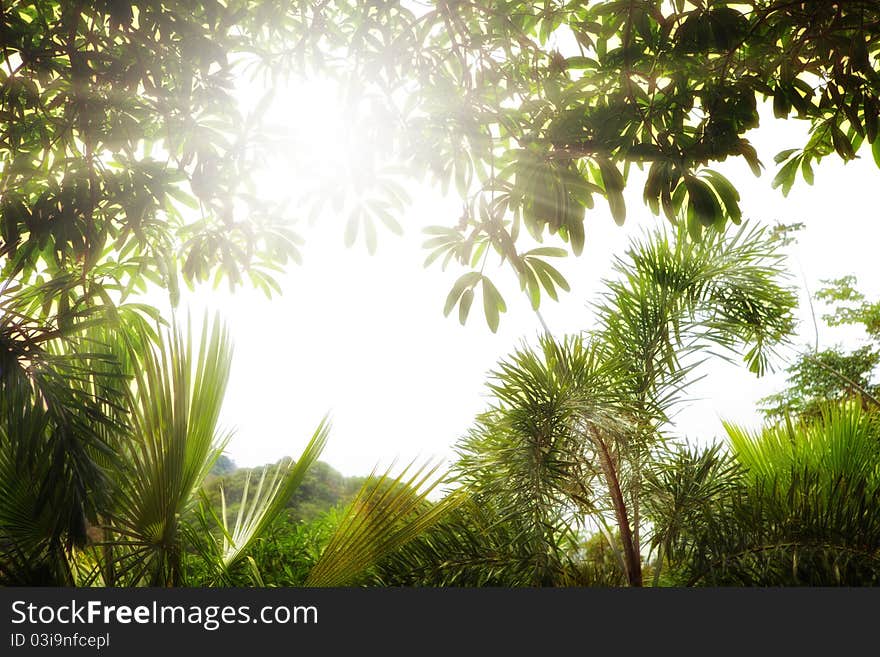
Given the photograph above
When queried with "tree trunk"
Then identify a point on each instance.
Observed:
(631, 555)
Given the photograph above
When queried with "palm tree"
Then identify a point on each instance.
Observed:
(526, 459)
(675, 301)
(159, 457)
(576, 422)
(60, 397)
(150, 401)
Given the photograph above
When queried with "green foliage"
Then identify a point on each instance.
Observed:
(572, 96)
(321, 489)
(574, 425)
(840, 444)
(850, 306)
(684, 489)
(796, 505)
(62, 402)
(831, 375)
(673, 296)
(525, 460)
(474, 545)
(342, 545)
(150, 402)
(153, 402)
(387, 513)
(285, 553)
(267, 502)
(117, 119)
(121, 151)
(129, 156)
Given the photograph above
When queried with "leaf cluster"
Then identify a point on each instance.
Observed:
(670, 87)
(819, 377)
(794, 505)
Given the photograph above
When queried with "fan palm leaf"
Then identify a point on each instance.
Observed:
(260, 507)
(387, 513)
(175, 402)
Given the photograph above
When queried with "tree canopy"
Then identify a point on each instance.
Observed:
(818, 379)
(128, 156)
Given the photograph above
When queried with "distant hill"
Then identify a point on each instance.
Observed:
(322, 488)
(223, 465)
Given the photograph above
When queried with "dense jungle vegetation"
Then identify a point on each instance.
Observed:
(131, 160)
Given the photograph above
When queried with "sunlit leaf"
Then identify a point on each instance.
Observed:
(493, 304)
(466, 281)
(464, 307)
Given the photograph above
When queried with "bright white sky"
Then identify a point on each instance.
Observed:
(364, 338)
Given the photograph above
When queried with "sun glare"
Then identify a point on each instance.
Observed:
(323, 146)
(312, 115)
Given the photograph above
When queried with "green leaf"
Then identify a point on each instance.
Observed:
(668, 205)
(782, 156)
(439, 230)
(382, 212)
(807, 170)
(441, 241)
(549, 251)
(841, 143)
(781, 104)
(613, 182)
(852, 115)
(464, 282)
(751, 156)
(478, 252)
(351, 227)
(871, 119)
(542, 267)
(576, 236)
(581, 63)
(694, 225)
(449, 250)
(786, 175)
(493, 303)
(465, 306)
(727, 193)
(530, 283)
(546, 281)
(703, 202)
(370, 234)
(187, 199)
(463, 175)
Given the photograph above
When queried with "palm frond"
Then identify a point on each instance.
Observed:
(842, 442)
(62, 398)
(176, 400)
(259, 508)
(386, 514)
(801, 506)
